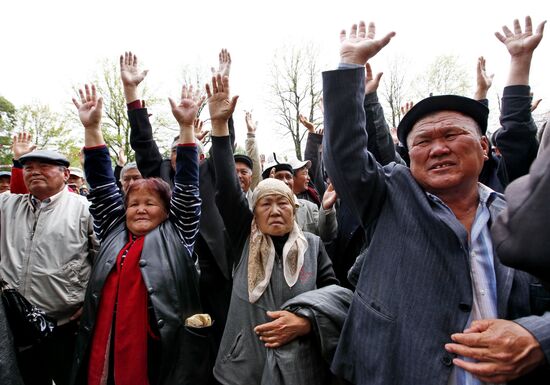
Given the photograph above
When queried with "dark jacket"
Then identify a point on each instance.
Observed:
(9, 372)
(168, 271)
(414, 289)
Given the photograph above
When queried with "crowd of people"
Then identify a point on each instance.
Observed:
(408, 255)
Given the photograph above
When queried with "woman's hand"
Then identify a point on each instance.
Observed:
(285, 328)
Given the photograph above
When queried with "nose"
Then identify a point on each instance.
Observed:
(439, 148)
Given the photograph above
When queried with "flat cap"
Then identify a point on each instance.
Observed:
(244, 159)
(46, 156)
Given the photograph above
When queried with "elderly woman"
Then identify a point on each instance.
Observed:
(272, 336)
(144, 285)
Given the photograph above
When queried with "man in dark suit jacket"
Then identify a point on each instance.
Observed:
(433, 304)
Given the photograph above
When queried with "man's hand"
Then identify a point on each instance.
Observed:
(200, 134)
(360, 45)
(406, 107)
(225, 64)
(130, 75)
(484, 81)
(285, 328)
(371, 84)
(121, 158)
(307, 124)
(22, 144)
(251, 125)
(521, 43)
(503, 349)
(329, 197)
(89, 108)
(220, 104)
(186, 111)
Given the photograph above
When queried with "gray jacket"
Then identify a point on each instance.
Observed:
(47, 253)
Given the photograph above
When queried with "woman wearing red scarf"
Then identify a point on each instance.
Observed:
(144, 284)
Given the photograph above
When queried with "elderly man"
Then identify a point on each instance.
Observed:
(432, 299)
(128, 175)
(76, 179)
(47, 245)
(5, 179)
(244, 167)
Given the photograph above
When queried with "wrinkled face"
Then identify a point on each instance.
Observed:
(301, 180)
(245, 175)
(285, 176)
(130, 176)
(44, 180)
(447, 152)
(274, 215)
(4, 183)
(144, 212)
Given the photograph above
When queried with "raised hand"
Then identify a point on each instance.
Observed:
(89, 107)
(22, 144)
(484, 81)
(220, 104)
(224, 64)
(371, 83)
(186, 111)
(121, 158)
(307, 124)
(406, 107)
(200, 134)
(361, 45)
(129, 72)
(520, 42)
(251, 125)
(329, 197)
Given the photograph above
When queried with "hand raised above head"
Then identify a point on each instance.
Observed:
(186, 111)
(251, 125)
(89, 107)
(371, 83)
(224, 67)
(361, 45)
(22, 144)
(129, 72)
(220, 104)
(520, 43)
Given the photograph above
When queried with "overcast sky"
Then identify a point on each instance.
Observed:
(48, 47)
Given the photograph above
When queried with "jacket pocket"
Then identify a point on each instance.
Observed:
(197, 356)
(375, 306)
(236, 348)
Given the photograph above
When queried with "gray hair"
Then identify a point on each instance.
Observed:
(127, 166)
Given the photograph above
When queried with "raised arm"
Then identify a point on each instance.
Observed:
(251, 147)
(517, 140)
(107, 206)
(22, 144)
(483, 81)
(230, 199)
(148, 156)
(380, 142)
(355, 173)
(185, 205)
(313, 154)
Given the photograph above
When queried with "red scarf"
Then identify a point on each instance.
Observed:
(125, 287)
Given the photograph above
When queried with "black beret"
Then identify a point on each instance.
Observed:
(241, 158)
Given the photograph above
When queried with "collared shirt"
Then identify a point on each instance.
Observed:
(38, 204)
(482, 273)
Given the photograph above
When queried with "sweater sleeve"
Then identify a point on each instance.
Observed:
(107, 207)
(185, 205)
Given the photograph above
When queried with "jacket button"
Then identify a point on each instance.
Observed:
(465, 307)
(160, 323)
(142, 262)
(447, 360)
(150, 290)
(94, 295)
(87, 328)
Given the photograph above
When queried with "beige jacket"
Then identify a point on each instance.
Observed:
(46, 253)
